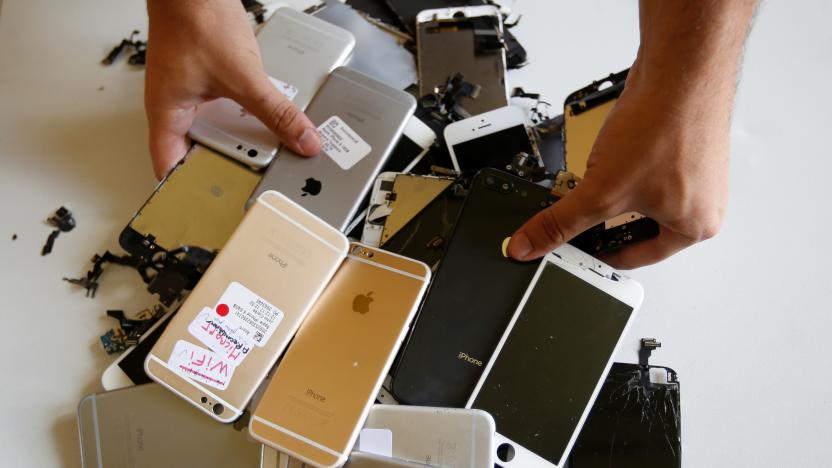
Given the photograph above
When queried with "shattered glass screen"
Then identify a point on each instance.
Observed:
(544, 376)
(494, 150)
(633, 424)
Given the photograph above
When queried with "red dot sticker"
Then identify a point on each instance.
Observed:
(222, 310)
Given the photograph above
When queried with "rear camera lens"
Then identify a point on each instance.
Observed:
(218, 409)
(252, 153)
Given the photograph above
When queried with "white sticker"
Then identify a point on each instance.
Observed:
(213, 331)
(249, 315)
(376, 441)
(341, 143)
(285, 88)
(200, 364)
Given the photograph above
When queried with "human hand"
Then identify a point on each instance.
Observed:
(199, 50)
(666, 166)
(663, 150)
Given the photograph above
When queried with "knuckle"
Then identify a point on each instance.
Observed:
(552, 228)
(282, 115)
(708, 226)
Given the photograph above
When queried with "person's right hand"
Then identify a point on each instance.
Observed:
(201, 50)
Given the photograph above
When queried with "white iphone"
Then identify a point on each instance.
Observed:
(299, 51)
(414, 143)
(490, 139)
(444, 437)
(560, 342)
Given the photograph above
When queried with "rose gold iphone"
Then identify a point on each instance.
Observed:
(329, 377)
(248, 305)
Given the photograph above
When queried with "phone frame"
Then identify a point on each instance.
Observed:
(482, 125)
(606, 280)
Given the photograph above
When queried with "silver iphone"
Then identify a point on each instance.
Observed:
(299, 51)
(360, 120)
(148, 426)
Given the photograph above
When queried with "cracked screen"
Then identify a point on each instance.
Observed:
(633, 423)
(551, 362)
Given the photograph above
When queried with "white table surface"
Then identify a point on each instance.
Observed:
(745, 318)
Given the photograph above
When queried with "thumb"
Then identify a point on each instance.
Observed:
(570, 216)
(292, 126)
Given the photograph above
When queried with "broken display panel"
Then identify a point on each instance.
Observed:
(199, 204)
(465, 40)
(584, 114)
(415, 215)
(634, 423)
(396, 199)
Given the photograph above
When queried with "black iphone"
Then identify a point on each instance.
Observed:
(473, 295)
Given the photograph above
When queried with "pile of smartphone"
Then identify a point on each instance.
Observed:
(361, 309)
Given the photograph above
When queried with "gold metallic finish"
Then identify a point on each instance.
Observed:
(199, 204)
(273, 229)
(581, 132)
(329, 376)
(412, 194)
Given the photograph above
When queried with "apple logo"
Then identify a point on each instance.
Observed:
(312, 187)
(361, 303)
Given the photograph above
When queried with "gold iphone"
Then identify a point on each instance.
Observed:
(326, 382)
(248, 305)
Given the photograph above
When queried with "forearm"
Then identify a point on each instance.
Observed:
(690, 54)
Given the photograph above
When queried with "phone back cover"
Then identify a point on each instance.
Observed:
(472, 298)
(148, 427)
(376, 113)
(274, 260)
(331, 373)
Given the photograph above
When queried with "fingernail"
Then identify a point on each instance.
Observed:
(520, 246)
(309, 142)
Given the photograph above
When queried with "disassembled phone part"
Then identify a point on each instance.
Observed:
(639, 407)
(199, 203)
(395, 200)
(570, 322)
(585, 112)
(466, 40)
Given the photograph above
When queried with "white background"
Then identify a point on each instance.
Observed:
(744, 318)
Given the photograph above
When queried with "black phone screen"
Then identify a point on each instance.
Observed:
(495, 150)
(473, 294)
(551, 362)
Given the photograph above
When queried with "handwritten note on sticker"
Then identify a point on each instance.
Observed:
(213, 331)
(285, 88)
(200, 364)
(251, 316)
(341, 143)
